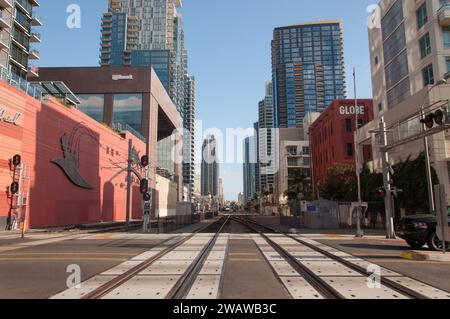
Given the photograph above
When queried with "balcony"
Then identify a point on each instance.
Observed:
(5, 4)
(5, 22)
(4, 42)
(444, 15)
(36, 21)
(33, 72)
(34, 55)
(35, 37)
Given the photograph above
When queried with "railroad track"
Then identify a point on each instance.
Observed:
(326, 289)
(185, 282)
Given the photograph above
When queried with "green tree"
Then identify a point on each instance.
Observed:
(410, 176)
(340, 183)
(299, 187)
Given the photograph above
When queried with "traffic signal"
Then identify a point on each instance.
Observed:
(439, 117)
(147, 197)
(14, 188)
(17, 160)
(145, 161)
(144, 186)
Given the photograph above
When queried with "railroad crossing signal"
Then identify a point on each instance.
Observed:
(144, 186)
(145, 161)
(14, 188)
(440, 117)
(17, 160)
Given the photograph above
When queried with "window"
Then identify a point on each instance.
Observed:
(349, 149)
(446, 35)
(447, 61)
(348, 125)
(428, 75)
(127, 110)
(422, 16)
(92, 105)
(380, 107)
(425, 45)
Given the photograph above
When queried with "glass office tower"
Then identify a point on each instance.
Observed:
(308, 70)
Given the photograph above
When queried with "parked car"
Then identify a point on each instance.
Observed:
(419, 230)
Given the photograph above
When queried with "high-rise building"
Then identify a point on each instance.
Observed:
(307, 69)
(150, 33)
(249, 168)
(136, 33)
(257, 169)
(409, 45)
(189, 136)
(265, 144)
(17, 37)
(210, 167)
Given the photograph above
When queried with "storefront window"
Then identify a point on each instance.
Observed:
(127, 110)
(92, 105)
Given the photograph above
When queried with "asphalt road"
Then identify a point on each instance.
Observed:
(40, 272)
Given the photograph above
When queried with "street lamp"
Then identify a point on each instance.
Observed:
(432, 205)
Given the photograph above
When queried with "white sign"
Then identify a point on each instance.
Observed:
(350, 110)
(117, 77)
(11, 119)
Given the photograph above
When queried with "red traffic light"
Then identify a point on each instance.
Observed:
(428, 121)
(439, 117)
(145, 161)
(144, 186)
(14, 188)
(17, 160)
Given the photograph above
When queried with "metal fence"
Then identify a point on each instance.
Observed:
(31, 89)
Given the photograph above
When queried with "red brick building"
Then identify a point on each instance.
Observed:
(332, 136)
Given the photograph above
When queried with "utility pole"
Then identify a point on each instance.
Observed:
(129, 172)
(390, 233)
(431, 202)
(359, 232)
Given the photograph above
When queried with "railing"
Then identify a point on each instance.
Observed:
(121, 128)
(29, 88)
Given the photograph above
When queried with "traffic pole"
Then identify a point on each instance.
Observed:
(130, 163)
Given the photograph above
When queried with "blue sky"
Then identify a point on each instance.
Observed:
(229, 51)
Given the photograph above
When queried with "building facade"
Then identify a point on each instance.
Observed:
(210, 167)
(308, 70)
(266, 140)
(249, 167)
(67, 161)
(294, 157)
(130, 99)
(150, 33)
(17, 37)
(410, 54)
(332, 136)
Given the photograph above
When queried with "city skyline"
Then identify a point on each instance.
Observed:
(210, 39)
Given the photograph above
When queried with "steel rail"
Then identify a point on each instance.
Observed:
(186, 282)
(385, 281)
(106, 288)
(315, 281)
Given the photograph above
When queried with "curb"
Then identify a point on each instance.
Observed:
(426, 256)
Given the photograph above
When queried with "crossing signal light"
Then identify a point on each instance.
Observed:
(145, 161)
(147, 197)
(17, 160)
(14, 188)
(438, 117)
(144, 186)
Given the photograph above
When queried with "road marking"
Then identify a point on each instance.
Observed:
(62, 259)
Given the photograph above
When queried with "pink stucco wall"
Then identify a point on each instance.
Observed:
(54, 199)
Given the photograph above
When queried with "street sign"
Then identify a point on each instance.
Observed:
(442, 229)
(312, 208)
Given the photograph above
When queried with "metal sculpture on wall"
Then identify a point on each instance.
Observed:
(70, 163)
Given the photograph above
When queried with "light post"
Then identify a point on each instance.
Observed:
(359, 232)
(431, 202)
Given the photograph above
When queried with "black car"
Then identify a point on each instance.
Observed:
(419, 230)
